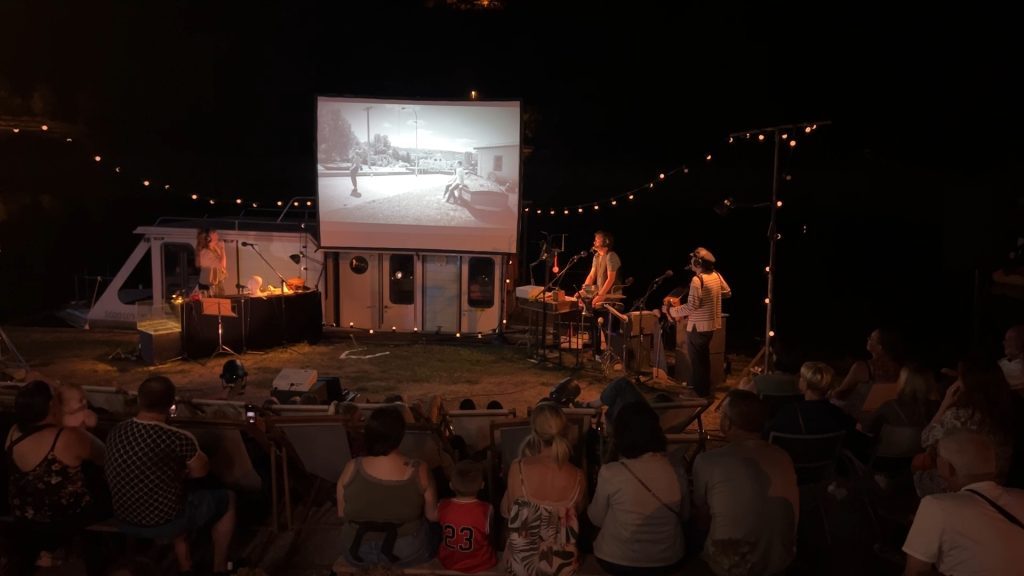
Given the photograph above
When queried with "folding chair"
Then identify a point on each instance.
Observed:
(814, 458)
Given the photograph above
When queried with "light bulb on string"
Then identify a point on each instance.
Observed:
(97, 158)
(238, 200)
(212, 201)
(686, 170)
(661, 176)
(145, 183)
(566, 211)
(44, 127)
(580, 210)
(792, 143)
(631, 196)
(280, 203)
(807, 130)
(784, 135)
(614, 202)
(167, 186)
(195, 196)
(760, 137)
(15, 130)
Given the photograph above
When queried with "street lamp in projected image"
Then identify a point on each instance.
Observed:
(416, 169)
(368, 134)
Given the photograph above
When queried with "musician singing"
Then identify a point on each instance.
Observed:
(211, 259)
(703, 312)
(603, 276)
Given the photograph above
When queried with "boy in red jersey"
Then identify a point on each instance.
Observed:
(465, 523)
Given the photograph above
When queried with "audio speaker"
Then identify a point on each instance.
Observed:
(159, 346)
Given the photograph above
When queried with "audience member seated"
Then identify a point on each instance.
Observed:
(914, 405)
(978, 528)
(1013, 363)
(466, 523)
(386, 499)
(815, 415)
(147, 463)
(882, 366)
(75, 408)
(544, 496)
(746, 493)
(47, 488)
(641, 501)
(981, 401)
(616, 394)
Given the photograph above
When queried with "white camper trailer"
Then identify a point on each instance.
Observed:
(429, 293)
(163, 264)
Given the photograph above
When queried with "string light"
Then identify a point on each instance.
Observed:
(16, 130)
(238, 200)
(792, 143)
(807, 130)
(97, 158)
(195, 196)
(760, 137)
(661, 176)
(779, 204)
(145, 183)
(44, 127)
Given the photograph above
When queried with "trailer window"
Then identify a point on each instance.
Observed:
(480, 283)
(180, 273)
(401, 286)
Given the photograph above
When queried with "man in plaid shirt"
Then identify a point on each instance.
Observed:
(147, 463)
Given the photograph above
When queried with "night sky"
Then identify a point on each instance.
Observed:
(913, 186)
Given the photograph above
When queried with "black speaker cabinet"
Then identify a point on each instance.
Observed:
(157, 347)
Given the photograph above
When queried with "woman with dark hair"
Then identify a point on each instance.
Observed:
(981, 401)
(640, 501)
(883, 366)
(48, 494)
(386, 499)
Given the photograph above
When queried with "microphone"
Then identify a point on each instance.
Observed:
(667, 274)
(249, 244)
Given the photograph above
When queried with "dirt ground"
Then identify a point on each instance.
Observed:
(373, 365)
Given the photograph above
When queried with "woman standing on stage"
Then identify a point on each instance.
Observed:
(212, 260)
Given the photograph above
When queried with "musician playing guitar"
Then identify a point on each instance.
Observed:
(702, 310)
(603, 275)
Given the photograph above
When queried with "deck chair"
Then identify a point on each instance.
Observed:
(474, 426)
(814, 458)
(678, 449)
(110, 400)
(224, 444)
(676, 417)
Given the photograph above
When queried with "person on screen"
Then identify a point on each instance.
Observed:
(212, 260)
(456, 184)
(353, 172)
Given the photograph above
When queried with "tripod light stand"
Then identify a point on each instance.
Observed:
(777, 134)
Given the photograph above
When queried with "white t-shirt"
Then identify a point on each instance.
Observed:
(750, 489)
(1014, 372)
(963, 535)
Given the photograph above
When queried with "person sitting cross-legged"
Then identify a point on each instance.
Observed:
(148, 465)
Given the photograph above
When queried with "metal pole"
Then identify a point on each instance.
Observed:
(773, 236)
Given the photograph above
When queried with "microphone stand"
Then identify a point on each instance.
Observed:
(639, 306)
(557, 282)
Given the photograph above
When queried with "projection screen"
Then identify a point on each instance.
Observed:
(415, 175)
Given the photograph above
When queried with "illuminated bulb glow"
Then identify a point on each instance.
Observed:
(145, 182)
(661, 176)
(97, 158)
(792, 143)
(771, 333)
(760, 137)
(195, 196)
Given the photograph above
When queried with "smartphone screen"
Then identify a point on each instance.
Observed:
(174, 410)
(250, 414)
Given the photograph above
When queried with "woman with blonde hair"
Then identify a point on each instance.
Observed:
(544, 496)
(212, 261)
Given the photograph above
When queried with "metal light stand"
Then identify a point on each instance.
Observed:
(776, 133)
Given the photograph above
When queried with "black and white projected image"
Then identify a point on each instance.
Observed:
(417, 175)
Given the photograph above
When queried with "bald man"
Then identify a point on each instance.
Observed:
(978, 528)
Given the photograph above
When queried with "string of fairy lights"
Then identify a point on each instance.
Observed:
(150, 183)
(789, 134)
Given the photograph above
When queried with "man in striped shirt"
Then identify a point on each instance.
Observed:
(703, 312)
